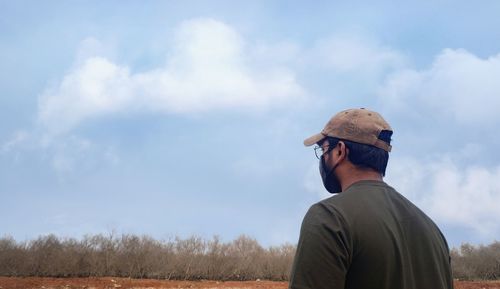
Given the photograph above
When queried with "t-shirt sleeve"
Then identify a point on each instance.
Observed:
(323, 251)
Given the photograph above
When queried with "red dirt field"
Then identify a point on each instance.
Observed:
(125, 283)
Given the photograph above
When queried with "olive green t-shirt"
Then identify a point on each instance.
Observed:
(370, 236)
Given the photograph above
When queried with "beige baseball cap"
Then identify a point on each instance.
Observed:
(358, 125)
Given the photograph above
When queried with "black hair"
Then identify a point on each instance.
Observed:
(367, 156)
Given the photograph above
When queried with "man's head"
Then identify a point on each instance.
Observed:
(357, 141)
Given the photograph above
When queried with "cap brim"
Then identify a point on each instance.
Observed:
(313, 139)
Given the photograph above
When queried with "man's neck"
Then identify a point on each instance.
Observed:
(357, 175)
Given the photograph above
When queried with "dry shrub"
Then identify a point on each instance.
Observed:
(476, 262)
(134, 256)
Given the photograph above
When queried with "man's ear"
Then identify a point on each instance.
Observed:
(343, 151)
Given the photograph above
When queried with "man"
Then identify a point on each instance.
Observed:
(367, 235)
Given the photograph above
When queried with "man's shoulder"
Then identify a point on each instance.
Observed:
(324, 210)
(356, 193)
(360, 199)
(334, 209)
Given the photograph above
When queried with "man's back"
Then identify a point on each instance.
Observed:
(369, 236)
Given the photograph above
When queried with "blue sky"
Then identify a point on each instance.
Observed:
(187, 117)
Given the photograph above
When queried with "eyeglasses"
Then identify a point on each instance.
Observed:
(320, 151)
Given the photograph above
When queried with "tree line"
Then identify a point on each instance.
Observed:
(135, 256)
(192, 258)
(476, 262)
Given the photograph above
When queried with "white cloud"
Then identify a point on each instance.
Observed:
(466, 197)
(96, 87)
(458, 84)
(210, 68)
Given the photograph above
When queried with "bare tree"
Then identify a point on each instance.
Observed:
(476, 262)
